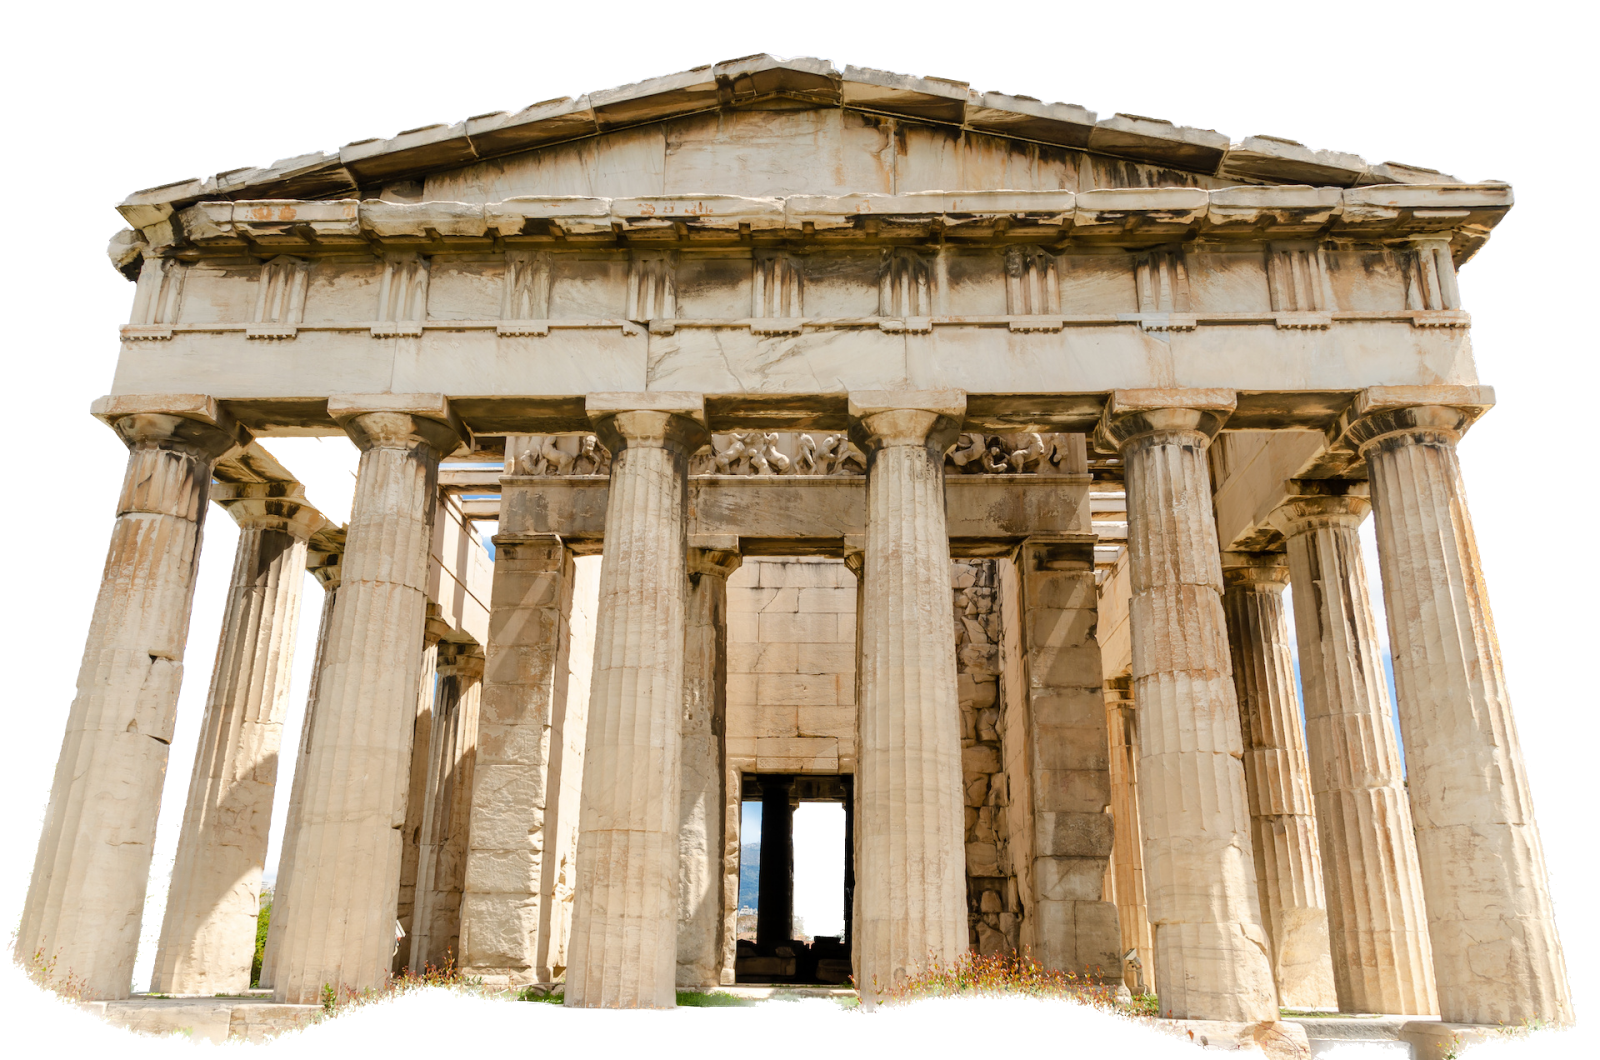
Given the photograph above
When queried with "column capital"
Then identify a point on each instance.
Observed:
(194, 423)
(668, 419)
(1300, 515)
(882, 419)
(325, 557)
(435, 629)
(715, 554)
(1385, 417)
(400, 421)
(1058, 552)
(270, 506)
(1256, 570)
(855, 553)
(1134, 414)
(460, 659)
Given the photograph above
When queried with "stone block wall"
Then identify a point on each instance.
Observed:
(791, 666)
(993, 903)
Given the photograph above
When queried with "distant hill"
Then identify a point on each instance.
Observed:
(749, 874)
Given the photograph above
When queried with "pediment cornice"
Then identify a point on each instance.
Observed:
(365, 164)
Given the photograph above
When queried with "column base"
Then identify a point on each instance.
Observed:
(1434, 1040)
(1277, 1039)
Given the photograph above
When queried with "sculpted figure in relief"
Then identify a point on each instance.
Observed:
(557, 455)
(1003, 454)
(781, 453)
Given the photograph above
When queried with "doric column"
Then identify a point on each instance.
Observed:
(1377, 928)
(1127, 855)
(911, 870)
(339, 906)
(1074, 929)
(208, 936)
(775, 883)
(1283, 833)
(324, 566)
(701, 795)
(421, 743)
(1200, 881)
(1496, 955)
(514, 844)
(624, 945)
(447, 806)
(86, 896)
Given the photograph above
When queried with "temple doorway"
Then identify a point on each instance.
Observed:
(796, 878)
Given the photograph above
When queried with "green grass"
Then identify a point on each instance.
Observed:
(693, 999)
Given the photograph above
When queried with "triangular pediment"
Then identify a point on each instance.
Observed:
(763, 126)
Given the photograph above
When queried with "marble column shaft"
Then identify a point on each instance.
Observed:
(1200, 883)
(1283, 830)
(1127, 857)
(624, 944)
(701, 796)
(339, 906)
(86, 896)
(911, 866)
(1496, 955)
(208, 935)
(1377, 922)
(325, 567)
(447, 808)
(416, 795)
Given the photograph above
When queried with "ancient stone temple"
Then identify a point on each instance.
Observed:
(851, 437)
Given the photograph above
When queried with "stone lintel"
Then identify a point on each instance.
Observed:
(996, 412)
(986, 515)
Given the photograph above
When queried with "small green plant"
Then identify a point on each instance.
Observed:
(262, 919)
(42, 971)
(542, 995)
(1145, 1005)
(714, 999)
(330, 997)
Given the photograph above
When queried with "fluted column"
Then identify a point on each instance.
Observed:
(208, 935)
(701, 796)
(1283, 832)
(624, 944)
(1200, 882)
(911, 871)
(1377, 923)
(1496, 955)
(324, 566)
(339, 907)
(1127, 856)
(422, 751)
(86, 896)
(447, 807)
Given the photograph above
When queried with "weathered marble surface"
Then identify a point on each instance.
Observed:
(1496, 955)
(911, 876)
(1378, 928)
(623, 952)
(1283, 832)
(86, 897)
(209, 932)
(1210, 951)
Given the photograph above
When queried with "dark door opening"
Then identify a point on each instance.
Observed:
(796, 879)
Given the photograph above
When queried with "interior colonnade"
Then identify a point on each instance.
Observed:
(463, 777)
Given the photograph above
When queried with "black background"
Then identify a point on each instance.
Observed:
(100, 120)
